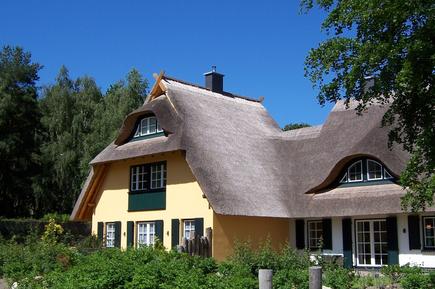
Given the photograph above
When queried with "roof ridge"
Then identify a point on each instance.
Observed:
(224, 93)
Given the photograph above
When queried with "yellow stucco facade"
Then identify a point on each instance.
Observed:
(184, 197)
(229, 229)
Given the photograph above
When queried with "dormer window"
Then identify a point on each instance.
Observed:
(365, 170)
(147, 126)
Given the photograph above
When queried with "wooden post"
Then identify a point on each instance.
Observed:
(209, 236)
(315, 277)
(265, 279)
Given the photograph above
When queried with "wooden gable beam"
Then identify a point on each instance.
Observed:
(158, 88)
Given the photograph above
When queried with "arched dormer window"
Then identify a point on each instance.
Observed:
(147, 127)
(365, 170)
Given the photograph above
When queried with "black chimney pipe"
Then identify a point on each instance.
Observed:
(214, 81)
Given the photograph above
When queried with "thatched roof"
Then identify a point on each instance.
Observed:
(246, 165)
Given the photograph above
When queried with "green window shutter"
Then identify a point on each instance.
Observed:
(327, 234)
(393, 254)
(118, 234)
(159, 230)
(300, 234)
(199, 226)
(130, 233)
(347, 242)
(414, 232)
(175, 236)
(100, 231)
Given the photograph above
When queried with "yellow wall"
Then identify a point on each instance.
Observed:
(184, 197)
(229, 229)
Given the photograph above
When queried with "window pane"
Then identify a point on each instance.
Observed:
(138, 131)
(144, 125)
(159, 129)
(374, 170)
(387, 175)
(152, 125)
(158, 176)
(110, 235)
(355, 172)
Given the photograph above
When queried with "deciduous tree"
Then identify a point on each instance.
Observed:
(391, 41)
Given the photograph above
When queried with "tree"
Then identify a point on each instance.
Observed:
(292, 126)
(68, 111)
(19, 124)
(391, 41)
(121, 98)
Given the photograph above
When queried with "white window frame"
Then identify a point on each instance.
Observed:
(146, 234)
(158, 176)
(385, 174)
(368, 173)
(134, 174)
(371, 242)
(144, 127)
(311, 232)
(110, 235)
(188, 228)
(424, 232)
(362, 173)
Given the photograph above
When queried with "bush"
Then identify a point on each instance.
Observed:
(339, 278)
(416, 280)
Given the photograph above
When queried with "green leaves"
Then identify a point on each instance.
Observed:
(392, 42)
(48, 141)
(19, 126)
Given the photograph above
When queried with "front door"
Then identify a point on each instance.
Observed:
(371, 242)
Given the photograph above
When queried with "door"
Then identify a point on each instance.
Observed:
(371, 242)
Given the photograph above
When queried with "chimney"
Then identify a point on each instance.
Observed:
(214, 81)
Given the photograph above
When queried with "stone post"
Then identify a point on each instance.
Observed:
(315, 277)
(265, 278)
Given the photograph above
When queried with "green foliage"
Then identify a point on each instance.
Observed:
(392, 42)
(38, 264)
(121, 98)
(416, 280)
(19, 125)
(292, 126)
(60, 218)
(339, 278)
(52, 232)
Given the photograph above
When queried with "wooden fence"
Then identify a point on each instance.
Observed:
(197, 245)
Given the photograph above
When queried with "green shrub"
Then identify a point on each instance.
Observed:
(59, 218)
(415, 280)
(339, 278)
(291, 278)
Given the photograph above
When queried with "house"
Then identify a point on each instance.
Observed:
(197, 157)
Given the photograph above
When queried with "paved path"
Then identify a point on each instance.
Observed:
(3, 284)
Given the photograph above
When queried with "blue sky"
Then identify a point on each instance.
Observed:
(260, 46)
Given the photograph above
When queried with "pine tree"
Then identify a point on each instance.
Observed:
(19, 124)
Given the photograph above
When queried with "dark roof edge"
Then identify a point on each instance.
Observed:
(229, 94)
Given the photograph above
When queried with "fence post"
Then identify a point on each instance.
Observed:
(265, 278)
(315, 277)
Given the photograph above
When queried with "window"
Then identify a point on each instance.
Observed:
(355, 172)
(189, 229)
(315, 234)
(146, 232)
(158, 176)
(374, 170)
(371, 241)
(365, 170)
(148, 176)
(139, 178)
(147, 126)
(429, 232)
(110, 235)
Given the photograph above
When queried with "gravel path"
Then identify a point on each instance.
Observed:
(3, 284)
